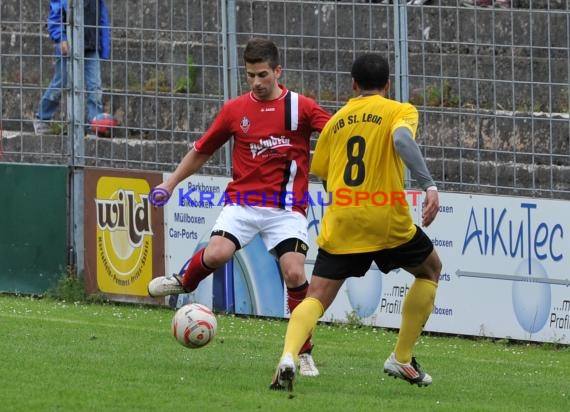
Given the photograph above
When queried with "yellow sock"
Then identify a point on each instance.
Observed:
(418, 305)
(302, 322)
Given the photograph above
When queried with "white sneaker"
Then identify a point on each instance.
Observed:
(410, 372)
(41, 127)
(163, 286)
(285, 374)
(307, 365)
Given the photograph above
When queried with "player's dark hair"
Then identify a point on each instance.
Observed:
(258, 50)
(370, 71)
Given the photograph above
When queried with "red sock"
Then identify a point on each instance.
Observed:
(196, 271)
(294, 297)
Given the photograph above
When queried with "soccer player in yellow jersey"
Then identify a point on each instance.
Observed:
(360, 155)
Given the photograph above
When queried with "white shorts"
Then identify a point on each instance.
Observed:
(273, 225)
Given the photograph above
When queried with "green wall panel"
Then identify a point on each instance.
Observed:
(33, 226)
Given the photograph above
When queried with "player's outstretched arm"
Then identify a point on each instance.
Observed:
(189, 165)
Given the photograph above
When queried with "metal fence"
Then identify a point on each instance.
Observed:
(491, 84)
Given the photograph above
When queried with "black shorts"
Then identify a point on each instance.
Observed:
(411, 253)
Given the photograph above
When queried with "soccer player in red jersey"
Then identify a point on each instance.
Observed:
(271, 127)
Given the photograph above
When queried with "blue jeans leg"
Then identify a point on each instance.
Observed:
(51, 98)
(93, 85)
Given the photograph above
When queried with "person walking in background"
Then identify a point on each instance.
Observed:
(97, 44)
(271, 129)
(363, 148)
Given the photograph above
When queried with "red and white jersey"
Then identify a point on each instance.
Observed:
(271, 148)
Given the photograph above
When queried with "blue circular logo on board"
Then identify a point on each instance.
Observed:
(364, 293)
(531, 299)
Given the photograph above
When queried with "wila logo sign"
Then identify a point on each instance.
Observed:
(123, 235)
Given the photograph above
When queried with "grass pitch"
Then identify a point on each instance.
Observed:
(62, 356)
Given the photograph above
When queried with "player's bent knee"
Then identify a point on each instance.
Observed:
(218, 252)
(294, 278)
(430, 268)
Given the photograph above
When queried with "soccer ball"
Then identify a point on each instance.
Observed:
(194, 325)
(102, 124)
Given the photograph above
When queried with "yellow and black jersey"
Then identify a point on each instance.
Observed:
(355, 154)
